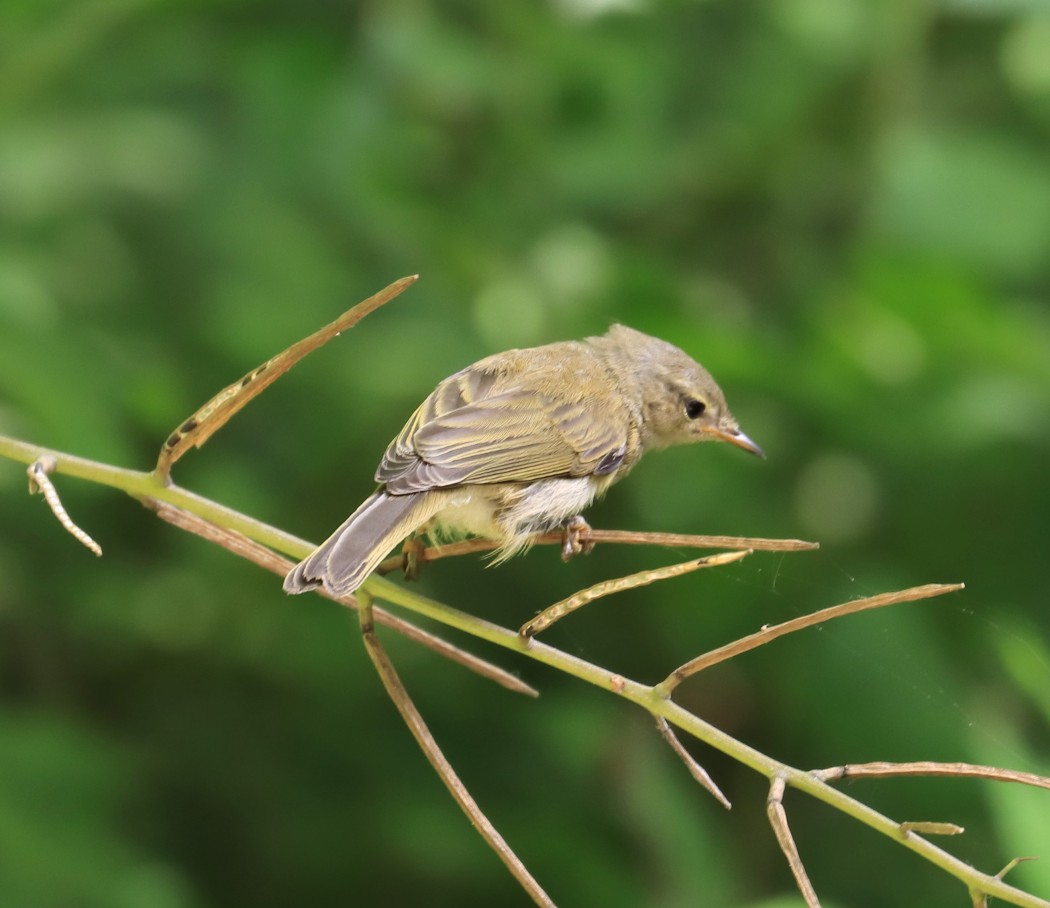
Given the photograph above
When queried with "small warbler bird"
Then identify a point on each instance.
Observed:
(519, 444)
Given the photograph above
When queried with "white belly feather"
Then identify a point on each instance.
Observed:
(513, 514)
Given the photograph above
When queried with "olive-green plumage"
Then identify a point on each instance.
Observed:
(520, 443)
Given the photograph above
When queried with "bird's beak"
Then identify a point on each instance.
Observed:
(738, 438)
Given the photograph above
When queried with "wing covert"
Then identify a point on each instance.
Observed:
(471, 431)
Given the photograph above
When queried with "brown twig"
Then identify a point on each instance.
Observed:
(620, 537)
(697, 771)
(414, 720)
(778, 820)
(269, 560)
(577, 600)
(196, 430)
(39, 481)
(764, 636)
(882, 770)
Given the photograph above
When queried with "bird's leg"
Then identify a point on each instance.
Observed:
(412, 557)
(575, 538)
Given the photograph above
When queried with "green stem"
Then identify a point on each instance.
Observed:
(140, 485)
(650, 700)
(148, 485)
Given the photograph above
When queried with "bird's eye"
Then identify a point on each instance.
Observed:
(694, 408)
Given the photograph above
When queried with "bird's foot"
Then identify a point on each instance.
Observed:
(412, 557)
(575, 538)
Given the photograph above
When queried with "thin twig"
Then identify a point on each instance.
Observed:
(686, 540)
(1012, 865)
(269, 560)
(980, 899)
(39, 481)
(778, 820)
(562, 608)
(697, 771)
(196, 430)
(764, 636)
(619, 537)
(414, 720)
(883, 770)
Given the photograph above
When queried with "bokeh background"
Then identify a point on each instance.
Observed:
(841, 207)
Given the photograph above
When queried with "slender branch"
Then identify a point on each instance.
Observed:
(764, 636)
(211, 417)
(414, 720)
(778, 820)
(619, 537)
(268, 560)
(980, 900)
(1013, 864)
(652, 699)
(697, 771)
(882, 770)
(560, 609)
(140, 485)
(40, 482)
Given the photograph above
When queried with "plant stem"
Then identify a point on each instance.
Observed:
(141, 485)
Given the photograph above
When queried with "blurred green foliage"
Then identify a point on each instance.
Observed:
(841, 207)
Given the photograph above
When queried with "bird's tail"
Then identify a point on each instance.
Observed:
(343, 561)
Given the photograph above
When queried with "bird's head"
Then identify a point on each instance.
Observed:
(681, 403)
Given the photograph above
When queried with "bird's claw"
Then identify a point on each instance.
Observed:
(576, 538)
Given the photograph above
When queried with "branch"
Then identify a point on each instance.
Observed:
(196, 430)
(620, 537)
(768, 634)
(651, 698)
(414, 720)
(39, 482)
(778, 820)
(609, 587)
(881, 770)
(699, 774)
(252, 539)
(270, 561)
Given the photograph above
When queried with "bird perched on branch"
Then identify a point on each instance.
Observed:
(519, 444)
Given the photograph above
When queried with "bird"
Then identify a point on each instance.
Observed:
(519, 444)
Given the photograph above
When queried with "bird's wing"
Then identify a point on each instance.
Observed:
(474, 429)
